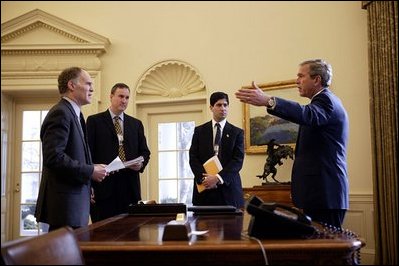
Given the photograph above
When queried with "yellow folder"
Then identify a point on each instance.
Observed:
(212, 167)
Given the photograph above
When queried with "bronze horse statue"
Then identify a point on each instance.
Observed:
(275, 156)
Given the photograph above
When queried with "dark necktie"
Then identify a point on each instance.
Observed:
(218, 134)
(118, 129)
(83, 125)
(218, 137)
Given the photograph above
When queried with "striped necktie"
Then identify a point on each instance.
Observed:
(118, 129)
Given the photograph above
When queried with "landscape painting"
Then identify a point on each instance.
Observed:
(260, 127)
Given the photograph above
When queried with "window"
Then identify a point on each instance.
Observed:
(31, 168)
(175, 175)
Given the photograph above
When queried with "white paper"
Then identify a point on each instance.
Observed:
(138, 160)
(115, 165)
(198, 233)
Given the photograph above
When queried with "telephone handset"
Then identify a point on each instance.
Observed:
(276, 220)
(292, 213)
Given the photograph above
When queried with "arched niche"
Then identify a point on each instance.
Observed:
(170, 80)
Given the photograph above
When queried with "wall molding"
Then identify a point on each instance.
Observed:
(77, 40)
(359, 219)
(37, 46)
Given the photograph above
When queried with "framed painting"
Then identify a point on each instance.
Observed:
(260, 127)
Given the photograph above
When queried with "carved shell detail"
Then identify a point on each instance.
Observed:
(170, 79)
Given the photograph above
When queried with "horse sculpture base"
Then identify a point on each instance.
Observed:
(271, 192)
(275, 183)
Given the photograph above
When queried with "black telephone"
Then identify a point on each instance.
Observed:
(275, 220)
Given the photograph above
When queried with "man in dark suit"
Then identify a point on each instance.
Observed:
(319, 175)
(64, 194)
(224, 188)
(122, 188)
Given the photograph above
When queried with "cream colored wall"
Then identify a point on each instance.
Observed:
(232, 44)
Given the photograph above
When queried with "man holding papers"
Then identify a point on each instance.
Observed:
(116, 139)
(222, 153)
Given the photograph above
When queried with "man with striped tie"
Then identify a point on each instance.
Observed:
(114, 133)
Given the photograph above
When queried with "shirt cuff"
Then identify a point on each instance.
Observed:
(220, 179)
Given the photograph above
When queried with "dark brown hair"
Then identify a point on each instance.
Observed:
(119, 85)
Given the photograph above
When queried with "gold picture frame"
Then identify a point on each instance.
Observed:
(260, 126)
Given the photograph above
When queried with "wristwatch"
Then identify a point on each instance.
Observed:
(271, 102)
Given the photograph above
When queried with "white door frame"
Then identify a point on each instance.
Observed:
(165, 112)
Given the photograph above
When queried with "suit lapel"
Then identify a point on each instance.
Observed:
(209, 136)
(75, 119)
(107, 119)
(224, 142)
(80, 129)
(226, 134)
(126, 129)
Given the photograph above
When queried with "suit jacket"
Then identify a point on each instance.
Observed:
(319, 174)
(103, 142)
(231, 158)
(64, 194)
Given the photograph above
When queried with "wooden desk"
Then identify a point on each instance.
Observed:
(137, 240)
(280, 193)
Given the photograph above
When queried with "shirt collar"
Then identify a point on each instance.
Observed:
(113, 115)
(222, 123)
(318, 93)
(75, 107)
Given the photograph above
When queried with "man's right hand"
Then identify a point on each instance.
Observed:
(99, 172)
(254, 96)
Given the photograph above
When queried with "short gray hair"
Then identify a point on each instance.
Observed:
(66, 75)
(319, 67)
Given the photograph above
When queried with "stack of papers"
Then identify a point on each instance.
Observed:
(117, 164)
(138, 160)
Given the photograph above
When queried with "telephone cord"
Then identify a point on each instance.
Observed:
(261, 247)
